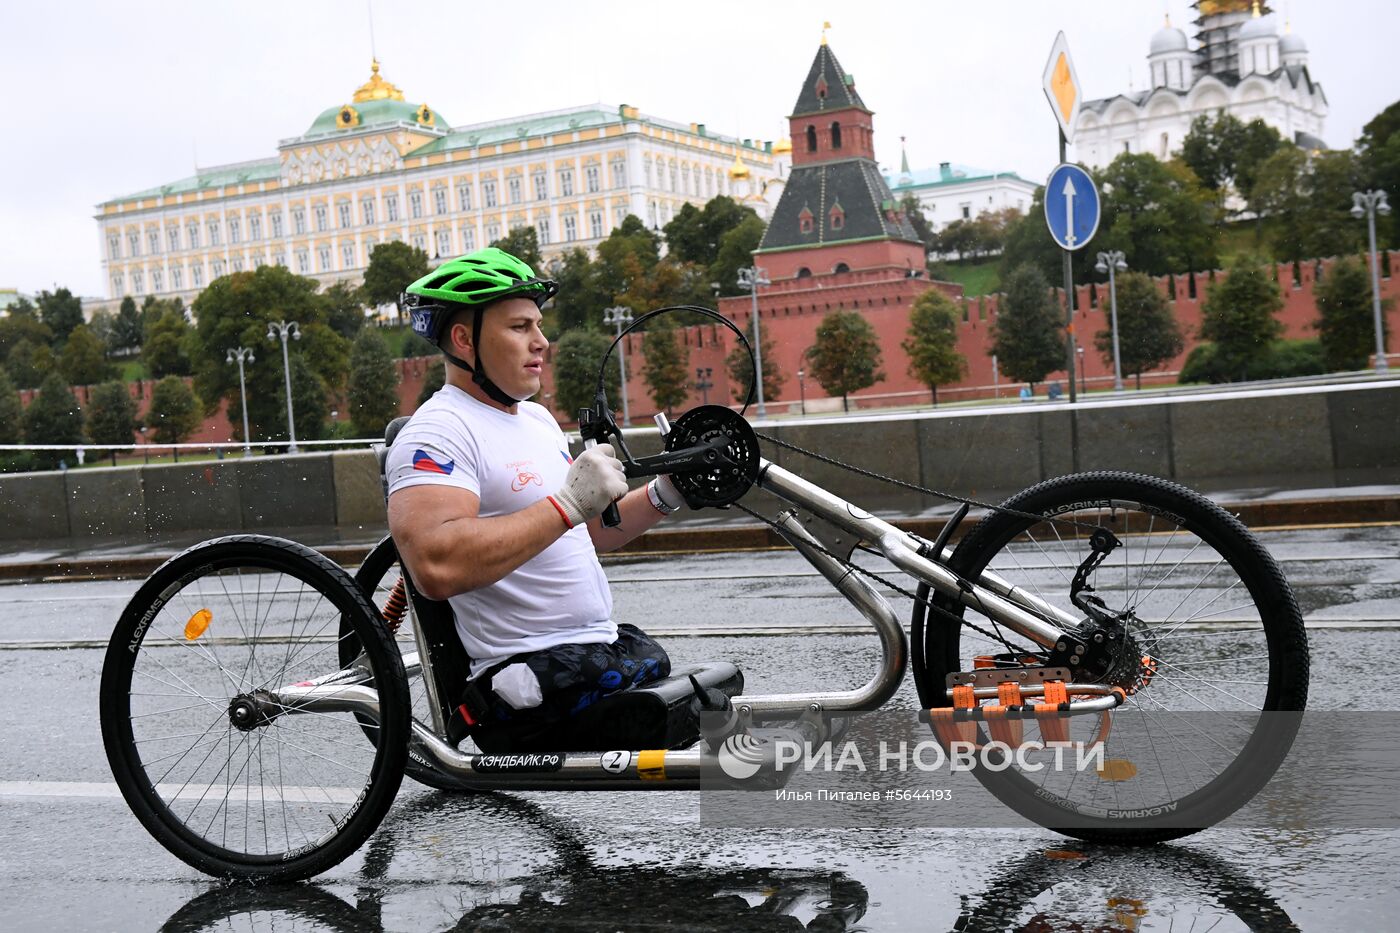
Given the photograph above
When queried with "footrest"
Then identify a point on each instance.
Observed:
(1004, 718)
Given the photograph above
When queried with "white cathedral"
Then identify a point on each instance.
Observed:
(1241, 65)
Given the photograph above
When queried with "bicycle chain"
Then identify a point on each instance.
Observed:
(924, 489)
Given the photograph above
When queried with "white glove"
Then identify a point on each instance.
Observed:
(595, 479)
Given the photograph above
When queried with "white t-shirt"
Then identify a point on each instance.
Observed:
(560, 595)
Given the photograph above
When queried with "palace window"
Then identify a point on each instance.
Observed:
(590, 178)
(570, 228)
(153, 241)
(280, 258)
(835, 135)
(464, 196)
(235, 231)
(133, 244)
(319, 212)
(811, 139)
(347, 256)
(157, 281)
(619, 173)
(192, 234)
(541, 185)
(493, 232)
(137, 284)
(298, 220)
(237, 264)
(367, 211)
(276, 219)
(213, 227)
(468, 239)
(595, 224)
(258, 261)
(344, 215)
(255, 227)
(620, 213)
(488, 192)
(216, 268)
(415, 205)
(391, 208)
(966, 211)
(566, 182)
(444, 242)
(647, 167)
(323, 259)
(303, 261)
(114, 246)
(542, 230)
(197, 274)
(513, 188)
(440, 199)
(674, 186)
(177, 278)
(118, 287)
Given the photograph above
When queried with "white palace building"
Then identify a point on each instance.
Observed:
(1243, 64)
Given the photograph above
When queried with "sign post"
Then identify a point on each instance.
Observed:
(1061, 84)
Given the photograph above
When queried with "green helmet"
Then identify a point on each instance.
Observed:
(472, 281)
(475, 280)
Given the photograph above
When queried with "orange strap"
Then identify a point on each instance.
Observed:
(945, 729)
(1003, 729)
(1054, 722)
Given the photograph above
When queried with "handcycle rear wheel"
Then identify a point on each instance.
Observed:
(1202, 598)
(290, 793)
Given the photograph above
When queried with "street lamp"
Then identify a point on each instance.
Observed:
(1111, 262)
(241, 355)
(620, 318)
(751, 277)
(1083, 376)
(802, 389)
(703, 382)
(274, 331)
(1368, 204)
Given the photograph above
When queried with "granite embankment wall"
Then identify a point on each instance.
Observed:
(1305, 437)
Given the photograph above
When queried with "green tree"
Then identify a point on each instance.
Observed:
(11, 411)
(577, 357)
(740, 367)
(374, 379)
(1378, 155)
(393, 266)
(1157, 213)
(1028, 336)
(84, 359)
(345, 309)
(236, 311)
(174, 413)
(667, 365)
(22, 323)
(1238, 316)
(1028, 241)
(127, 329)
(1148, 333)
(1346, 322)
(914, 211)
(932, 341)
(581, 297)
(736, 247)
(61, 310)
(685, 236)
(846, 355)
(111, 415)
(1225, 153)
(630, 250)
(53, 418)
(166, 351)
(433, 379)
(29, 363)
(524, 244)
(1304, 203)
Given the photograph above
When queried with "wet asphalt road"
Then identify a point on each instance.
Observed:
(74, 857)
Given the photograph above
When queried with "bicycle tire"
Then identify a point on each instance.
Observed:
(316, 749)
(374, 576)
(1142, 507)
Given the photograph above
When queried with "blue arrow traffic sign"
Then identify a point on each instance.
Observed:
(1071, 206)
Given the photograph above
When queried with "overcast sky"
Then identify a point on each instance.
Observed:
(105, 99)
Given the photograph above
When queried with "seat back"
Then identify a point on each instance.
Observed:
(391, 431)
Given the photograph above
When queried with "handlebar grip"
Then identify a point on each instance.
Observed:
(611, 517)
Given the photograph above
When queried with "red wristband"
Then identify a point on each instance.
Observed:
(560, 509)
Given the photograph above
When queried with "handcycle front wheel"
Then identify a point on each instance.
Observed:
(1207, 721)
(218, 767)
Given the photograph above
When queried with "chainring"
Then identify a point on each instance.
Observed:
(723, 484)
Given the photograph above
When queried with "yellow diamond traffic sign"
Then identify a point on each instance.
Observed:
(1061, 84)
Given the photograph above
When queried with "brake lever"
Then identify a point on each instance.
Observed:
(593, 428)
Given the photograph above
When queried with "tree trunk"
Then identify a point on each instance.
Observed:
(1139, 381)
(935, 395)
(845, 404)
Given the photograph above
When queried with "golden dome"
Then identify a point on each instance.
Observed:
(782, 145)
(376, 88)
(738, 169)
